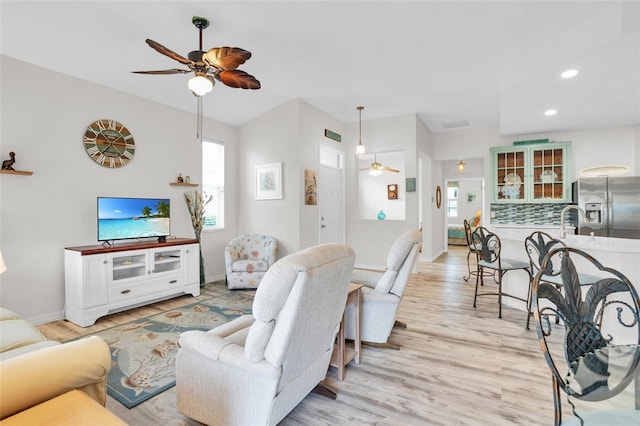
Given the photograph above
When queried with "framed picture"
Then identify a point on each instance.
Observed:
(310, 187)
(392, 192)
(411, 184)
(269, 182)
(472, 197)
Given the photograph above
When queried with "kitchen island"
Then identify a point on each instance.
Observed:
(620, 254)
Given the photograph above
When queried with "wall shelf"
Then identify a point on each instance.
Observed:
(15, 172)
(183, 184)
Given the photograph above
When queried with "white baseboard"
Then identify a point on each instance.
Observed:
(430, 259)
(214, 278)
(43, 319)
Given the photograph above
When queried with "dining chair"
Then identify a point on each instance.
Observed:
(595, 353)
(472, 249)
(489, 257)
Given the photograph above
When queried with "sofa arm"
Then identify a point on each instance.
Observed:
(38, 376)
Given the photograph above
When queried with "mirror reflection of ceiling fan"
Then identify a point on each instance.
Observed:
(376, 169)
(218, 63)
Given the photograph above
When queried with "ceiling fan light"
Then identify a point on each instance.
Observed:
(375, 172)
(200, 85)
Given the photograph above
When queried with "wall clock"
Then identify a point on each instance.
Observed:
(109, 143)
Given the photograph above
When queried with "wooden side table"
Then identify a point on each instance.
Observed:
(343, 354)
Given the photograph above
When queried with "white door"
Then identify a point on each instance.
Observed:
(331, 204)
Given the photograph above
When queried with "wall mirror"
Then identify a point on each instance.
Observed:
(385, 192)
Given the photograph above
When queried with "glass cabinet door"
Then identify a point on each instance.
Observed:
(548, 166)
(538, 173)
(510, 176)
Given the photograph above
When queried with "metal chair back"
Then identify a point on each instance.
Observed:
(537, 246)
(595, 352)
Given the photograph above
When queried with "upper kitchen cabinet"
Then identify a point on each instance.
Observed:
(538, 173)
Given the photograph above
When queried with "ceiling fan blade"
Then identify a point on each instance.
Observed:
(168, 52)
(226, 58)
(171, 71)
(366, 168)
(238, 79)
(388, 169)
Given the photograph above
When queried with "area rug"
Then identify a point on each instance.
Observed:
(143, 351)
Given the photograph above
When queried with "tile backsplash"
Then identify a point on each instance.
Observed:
(527, 214)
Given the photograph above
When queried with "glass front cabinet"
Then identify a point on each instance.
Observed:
(539, 173)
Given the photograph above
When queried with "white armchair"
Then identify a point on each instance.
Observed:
(247, 259)
(383, 291)
(255, 369)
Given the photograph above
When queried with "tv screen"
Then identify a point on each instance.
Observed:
(125, 218)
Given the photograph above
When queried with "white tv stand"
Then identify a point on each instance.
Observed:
(101, 280)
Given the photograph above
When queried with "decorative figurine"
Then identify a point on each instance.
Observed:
(6, 164)
(180, 179)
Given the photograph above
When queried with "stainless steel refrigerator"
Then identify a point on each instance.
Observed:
(611, 204)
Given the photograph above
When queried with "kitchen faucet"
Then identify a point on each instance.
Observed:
(563, 231)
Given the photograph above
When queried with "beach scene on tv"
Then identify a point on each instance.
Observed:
(124, 218)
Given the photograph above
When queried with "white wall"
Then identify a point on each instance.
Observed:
(291, 134)
(371, 239)
(44, 115)
(313, 123)
(372, 191)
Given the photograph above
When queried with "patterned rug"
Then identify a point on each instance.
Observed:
(143, 351)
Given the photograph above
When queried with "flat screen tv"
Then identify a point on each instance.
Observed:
(129, 218)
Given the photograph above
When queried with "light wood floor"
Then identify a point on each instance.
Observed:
(456, 366)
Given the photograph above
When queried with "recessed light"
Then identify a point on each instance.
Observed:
(569, 73)
(550, 112)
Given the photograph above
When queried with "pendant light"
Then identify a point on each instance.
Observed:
(360, 146)
(461, 165)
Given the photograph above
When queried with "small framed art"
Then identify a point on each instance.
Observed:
(269, 181)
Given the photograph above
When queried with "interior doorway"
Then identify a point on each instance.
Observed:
(463, 198)
(331, 196)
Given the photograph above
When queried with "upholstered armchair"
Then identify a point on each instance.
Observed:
(247, 258)
(383, 291)
(255, 369)
(35, 374)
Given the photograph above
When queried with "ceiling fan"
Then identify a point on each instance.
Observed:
(376, 169)
(218, 63)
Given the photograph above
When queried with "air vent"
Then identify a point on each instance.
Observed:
(455, 124)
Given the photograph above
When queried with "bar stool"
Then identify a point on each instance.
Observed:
(538, 245)
(490, 258)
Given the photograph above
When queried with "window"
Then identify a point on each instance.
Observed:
(452, 199)
(213, 183)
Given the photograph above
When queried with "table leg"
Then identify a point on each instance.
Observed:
(341, 349)
(358, 341)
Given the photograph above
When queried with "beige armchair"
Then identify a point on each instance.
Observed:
(255, 369)
(247, 259)
(383, 291)
(31, 378)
